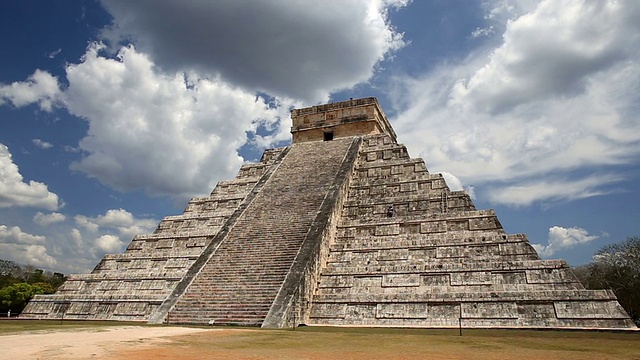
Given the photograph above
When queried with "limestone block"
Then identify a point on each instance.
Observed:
(367, 282)
(491, 310)
(178, 263)
(393, 254)
(401, 280)
(549, 276)
(360, 311)
(337, 311)
(483, 223)
(516, 248)
(80, 308)
(422, 254)
(407, 187)
(407, 228)
(132, 308)
(509, 277)
(164, 244)
(372, 156)
(436, 280)
(386, 230)
(397, 169)
(340, 256)
(109, 285)
(445, 252)
(402, 311)
(457, 225)
(136, 245)
(536, 310)
(471, 278)
(336, 282)
(199, 241)
(589, 310)
(433, 227)
(71, 285)
(443, 314)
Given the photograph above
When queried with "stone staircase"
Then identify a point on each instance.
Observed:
(439, 262)
(241, 279)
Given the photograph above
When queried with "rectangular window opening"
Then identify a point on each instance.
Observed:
(328, 136)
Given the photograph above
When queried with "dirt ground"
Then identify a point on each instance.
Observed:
(98, 343)
(142, 342)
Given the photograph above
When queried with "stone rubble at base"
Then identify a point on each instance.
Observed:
(305, 236)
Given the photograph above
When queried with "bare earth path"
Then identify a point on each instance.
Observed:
(86, 343)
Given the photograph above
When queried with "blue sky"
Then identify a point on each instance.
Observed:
(114, 113)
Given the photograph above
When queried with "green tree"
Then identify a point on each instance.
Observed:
(16, 296)
(617, 267)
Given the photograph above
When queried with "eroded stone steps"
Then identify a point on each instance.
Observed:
(298, 187)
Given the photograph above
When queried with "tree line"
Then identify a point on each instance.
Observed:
(616, 267)
(18, 284)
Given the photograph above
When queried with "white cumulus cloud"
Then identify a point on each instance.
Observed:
(15, 235)
(48, 219)
(561, 238)
(15, 192)
(24, 248)
(108, 244)
(41, 88)
(173, 135)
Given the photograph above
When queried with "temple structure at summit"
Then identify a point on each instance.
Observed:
(342, 227)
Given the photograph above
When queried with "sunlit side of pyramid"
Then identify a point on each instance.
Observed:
(307, 236)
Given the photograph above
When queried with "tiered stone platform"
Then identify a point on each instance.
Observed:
(438, 262)
(132, 285)
(340, 228)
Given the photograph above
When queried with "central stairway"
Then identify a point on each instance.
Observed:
(241, 279)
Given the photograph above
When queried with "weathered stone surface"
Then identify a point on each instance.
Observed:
(306, 236)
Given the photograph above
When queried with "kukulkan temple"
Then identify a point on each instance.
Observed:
(342, 227)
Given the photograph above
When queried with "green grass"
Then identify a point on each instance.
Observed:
(392, 343)
(367, 343)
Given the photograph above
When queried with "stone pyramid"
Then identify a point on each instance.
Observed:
(340, 228)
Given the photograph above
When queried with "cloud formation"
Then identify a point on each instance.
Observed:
(48, 219)
(73, 243)
(561, 238)
(558, 92)
(172, 135)
(41, 88)
(296, 49)
(24, 248)
(42, 144)
(15, 192)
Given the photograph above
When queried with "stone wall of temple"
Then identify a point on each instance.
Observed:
(436, 261)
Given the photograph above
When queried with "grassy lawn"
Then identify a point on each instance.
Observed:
(367, 343)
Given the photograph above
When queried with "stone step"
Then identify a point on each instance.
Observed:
(253, 260)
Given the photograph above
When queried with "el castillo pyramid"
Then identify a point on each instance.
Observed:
(340, 228)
